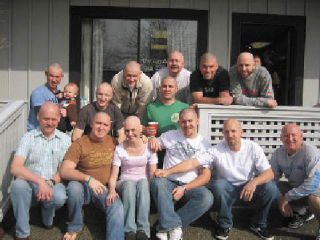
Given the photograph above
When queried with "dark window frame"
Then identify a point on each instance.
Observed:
(78, 13)
(298, 24)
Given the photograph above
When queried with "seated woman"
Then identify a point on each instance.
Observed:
(138, 164)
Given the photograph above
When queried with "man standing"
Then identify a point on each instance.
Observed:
(175, 68)
(166, 110)
(45, 93)
(210, 84)
(104, 104)
(300, 163)
(242, 172)
(188, 187)
(35, 166)
(251, 85)
(132, 90)
(87, 166)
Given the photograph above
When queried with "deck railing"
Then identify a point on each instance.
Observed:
(262, 125)
(13, 117)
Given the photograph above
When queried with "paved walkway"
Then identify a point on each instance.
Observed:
(200, 230)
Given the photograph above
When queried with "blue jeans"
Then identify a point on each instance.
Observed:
(226, 195)
(197, 202)
(80, 194)
(23, 196)
(135, 196)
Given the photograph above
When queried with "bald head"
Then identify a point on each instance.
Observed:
(104, 95)
(100, 126)
(54, 76)
(245, 64)
(49, 107)
(292, 138)
(131, 73)
(132, 128)
(208, 57)
(185, 111)
(232, 132)
(175, 63)
(208, 66)
(48, 117)
(132, 120)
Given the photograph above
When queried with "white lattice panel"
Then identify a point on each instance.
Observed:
(259, 124)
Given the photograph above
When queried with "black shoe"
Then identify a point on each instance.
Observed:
(222, 233)
(296, 221)
(130, 236)
(141, 235)
(261, 232)
(318, 235)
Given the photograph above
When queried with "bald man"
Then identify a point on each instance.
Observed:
(104, 104)
(132, 90)
(87, 166)
(251, 85)
(300, 163)
(242, 173)
(210, 84)
(45, 93)
(175, 68)
(35, 167)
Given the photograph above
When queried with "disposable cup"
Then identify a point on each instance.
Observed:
(155, 125)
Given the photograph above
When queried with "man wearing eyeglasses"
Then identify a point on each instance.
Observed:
(45, 93)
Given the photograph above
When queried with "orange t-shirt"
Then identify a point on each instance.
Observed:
(93, 158)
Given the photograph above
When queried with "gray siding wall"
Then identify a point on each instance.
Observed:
(37, 33)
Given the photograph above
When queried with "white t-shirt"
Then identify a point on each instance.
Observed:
(236, 167)
(179, 148)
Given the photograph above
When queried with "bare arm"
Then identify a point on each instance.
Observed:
(77, 133)
(250, 187)
(20, 171)
(112, 185)
(121, 136)
(224, 98)
(202, 179)
(182, 167)
(152, 169)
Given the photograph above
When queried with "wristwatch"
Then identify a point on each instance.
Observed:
(184, 188)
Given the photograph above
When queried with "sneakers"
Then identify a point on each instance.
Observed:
(162, 235)
(222, 233)
(141, 235)
(175, 234)
(298, 220)
(261, 232)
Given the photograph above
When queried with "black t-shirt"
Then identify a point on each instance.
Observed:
(210, 88)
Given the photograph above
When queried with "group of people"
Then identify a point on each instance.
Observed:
(111, 137)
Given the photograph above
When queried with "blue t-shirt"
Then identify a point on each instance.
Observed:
(39, 96)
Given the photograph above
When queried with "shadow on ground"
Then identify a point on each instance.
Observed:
(202, 229)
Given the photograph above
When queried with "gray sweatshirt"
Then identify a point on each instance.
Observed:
(301, 169)
(251, 91)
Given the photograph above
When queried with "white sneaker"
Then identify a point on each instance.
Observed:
(162, 235)
(175, 234)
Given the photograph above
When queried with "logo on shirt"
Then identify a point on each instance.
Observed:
(175, 117)
(209, 89)
(182, 150)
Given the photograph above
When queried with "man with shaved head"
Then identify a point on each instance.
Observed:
(300, 163)
(242, 172)
(36, 169)
(251, 85)
(104, 104)
(210, 84)
(188, 187)
(132, 90)
(175, 68)
(87, 166)
(45, 93)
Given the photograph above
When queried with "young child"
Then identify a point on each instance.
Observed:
(67, 100)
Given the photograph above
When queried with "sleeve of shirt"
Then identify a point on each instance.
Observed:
(261, 162)
(152, 158)
(74, 152)
(82, 118)
(118, 119)
(155, 80)
(224, 81)
(195, 82)
(24, 146)
(116, 99)
(144, 96)
(312, 180)
(116, 159)
(266, 90)
(275, 166)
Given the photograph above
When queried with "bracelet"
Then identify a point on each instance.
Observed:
(49, 185)
(184, 188)
(53, 181)
(89, 179)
